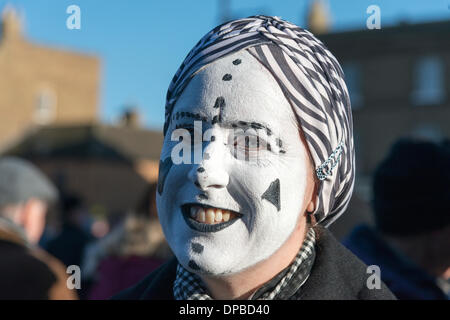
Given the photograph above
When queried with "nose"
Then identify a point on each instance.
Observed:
(211, 172)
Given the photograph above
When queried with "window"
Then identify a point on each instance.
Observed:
(353, 80)
(45, 107)
(428, 81)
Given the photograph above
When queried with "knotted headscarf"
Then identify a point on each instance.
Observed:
(311, 80)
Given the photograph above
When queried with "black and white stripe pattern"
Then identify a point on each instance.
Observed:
(312, 81)
(189, 286)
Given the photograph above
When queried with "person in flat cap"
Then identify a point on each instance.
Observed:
(27, 272)
(258, 158)
(411, 238)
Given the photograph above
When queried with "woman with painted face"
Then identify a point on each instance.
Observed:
(258, 159)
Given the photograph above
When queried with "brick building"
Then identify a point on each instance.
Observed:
(40, 85)
(49, 115)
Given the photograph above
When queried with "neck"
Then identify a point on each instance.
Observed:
(244, 284)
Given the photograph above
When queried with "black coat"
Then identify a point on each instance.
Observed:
(336, 275)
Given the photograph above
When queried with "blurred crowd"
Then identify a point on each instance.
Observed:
(409, 242)
(34, 260)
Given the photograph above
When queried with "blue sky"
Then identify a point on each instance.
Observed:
(142, 42)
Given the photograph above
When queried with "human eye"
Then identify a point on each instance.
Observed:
(247, 147)
(248, 143)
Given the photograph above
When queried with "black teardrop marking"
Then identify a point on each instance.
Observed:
(279, 143)
(213, 138)
(227, 77)
(220, 102)
(237, 61)
(272, 194)
(197, 247)
(215, 120)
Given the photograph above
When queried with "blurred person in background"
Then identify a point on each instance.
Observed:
(411, 240)
(132, 250)
(27, 272)
(70, 244)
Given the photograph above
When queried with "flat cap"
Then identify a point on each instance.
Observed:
(20, 181)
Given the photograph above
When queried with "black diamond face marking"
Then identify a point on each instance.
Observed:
(193, 265)
(197, 247)
(227, 77)
(201, 169)
(272, 194)
(215, 120)
(237, 61)
(164, 168)
(213, 138)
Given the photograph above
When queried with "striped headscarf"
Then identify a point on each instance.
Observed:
(311, 80)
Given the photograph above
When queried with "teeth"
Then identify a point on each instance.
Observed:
(218, 215)
(201, 215)
(211, 215)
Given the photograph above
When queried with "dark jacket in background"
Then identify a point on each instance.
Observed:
(30, 273)
(69, 245)
(336, 275)
(404, 278)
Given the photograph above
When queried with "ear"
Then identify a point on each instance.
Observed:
(313, 198)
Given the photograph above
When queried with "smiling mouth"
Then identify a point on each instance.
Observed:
(205, 218)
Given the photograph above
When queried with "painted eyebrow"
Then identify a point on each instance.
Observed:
(185, 115)
(247, 125)
(234, 124)
(183, 125)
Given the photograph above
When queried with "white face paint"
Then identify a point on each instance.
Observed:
(228, 181)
